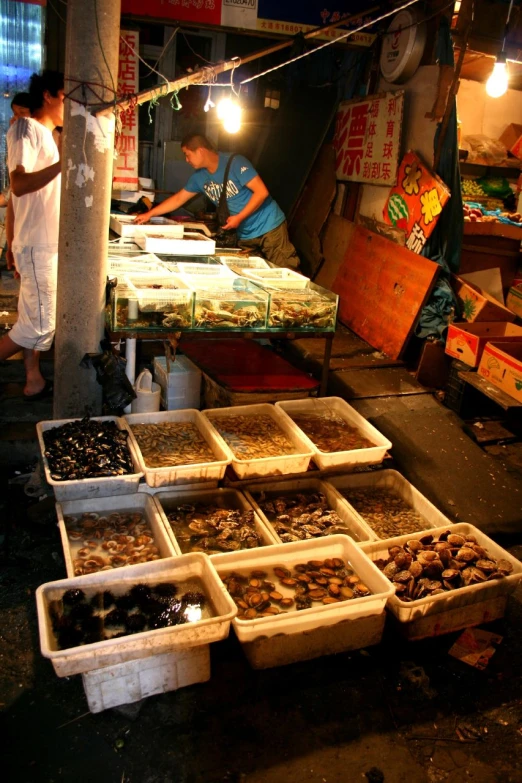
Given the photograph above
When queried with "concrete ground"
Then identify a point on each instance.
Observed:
(394, 712)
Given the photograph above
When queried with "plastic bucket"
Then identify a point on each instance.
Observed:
(147, 394)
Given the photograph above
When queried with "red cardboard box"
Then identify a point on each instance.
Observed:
(467, 341)
(501, 365)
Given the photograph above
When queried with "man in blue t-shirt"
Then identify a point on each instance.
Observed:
(259, 221)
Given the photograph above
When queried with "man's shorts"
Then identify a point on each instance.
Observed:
(38, 268)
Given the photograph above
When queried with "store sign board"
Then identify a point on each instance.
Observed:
(291, 18)
(239, 13)
(125, 172)
(367, 138)
(199, 11)
(416, 202)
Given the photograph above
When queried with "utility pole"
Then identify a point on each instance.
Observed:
(92, 46)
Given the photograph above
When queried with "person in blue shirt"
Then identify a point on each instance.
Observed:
(259, 221)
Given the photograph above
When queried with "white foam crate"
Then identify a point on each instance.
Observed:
(459, 603)
(181, 386)
(125, 683)
(93, 487)
(266, 466)
(125, 225)
(86, 658)
(138, 502)
(222, 498)
(192, 243)
(394, 482)
(288, 555)
(359, 530)
(243, 262)
(339, 459)
(174, 291)
(181, 474)
(140, 262)
(277, 277)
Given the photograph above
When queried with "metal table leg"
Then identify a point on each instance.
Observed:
(326, 364)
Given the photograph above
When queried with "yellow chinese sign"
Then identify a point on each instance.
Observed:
(416, 201)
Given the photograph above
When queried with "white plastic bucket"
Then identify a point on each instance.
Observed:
(147, 394)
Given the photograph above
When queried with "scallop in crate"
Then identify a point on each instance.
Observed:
(339, 436)
(300, 509)
(263, 442)
(387, 503)
(445, 578)
(112, 532)
(212, 521)
(88, 458)
(177, 447)
(168, 294)
(133, 632)
(285, 616)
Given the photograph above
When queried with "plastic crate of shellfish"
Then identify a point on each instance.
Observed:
(278, 277)
(262, 441)
(468, 587)
(287, 618)
(300, 509)
(308, 307)
(209, 622)
(140, 262)
(338, 434)
(168, 240)
(226, 301)
(125, 225)
(162, 294)
(239, 263)
(212, 521)
(177, 447)
(387, 503)
(116, 482)
(112, 532)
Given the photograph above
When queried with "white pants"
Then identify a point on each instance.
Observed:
(38, 268)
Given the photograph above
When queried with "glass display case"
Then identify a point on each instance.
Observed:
(227, 303)
(148, 302)
(311, 308)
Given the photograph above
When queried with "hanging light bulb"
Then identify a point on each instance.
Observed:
(229, 112)
(497, 83)
(223, 108)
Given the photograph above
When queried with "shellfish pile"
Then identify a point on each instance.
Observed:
(211, 529)
(300, 308)
(331, 432)
(79, 619)
(279, 589)
(86, 448)
(385, 512)
(302, 515)
(172, 443)
(253, 437)
(429, 566)
(100, 543)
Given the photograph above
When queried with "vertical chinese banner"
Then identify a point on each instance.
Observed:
(367, 138)
(416, 202)
(125, 172)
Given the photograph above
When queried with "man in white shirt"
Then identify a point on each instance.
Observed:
(32, 233)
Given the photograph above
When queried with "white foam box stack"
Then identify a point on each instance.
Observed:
(391, 481)
(169, 240)
(167, 500)
(359, 530)
(138, 502)
(336, 406)
(455, 609)
(309, 633)
(94, 487)
(181, 385)
(128, 682)
(125, 225)
(144, 645)
(266, 466)
(197, 473)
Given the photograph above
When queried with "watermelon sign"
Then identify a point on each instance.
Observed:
(416, 201)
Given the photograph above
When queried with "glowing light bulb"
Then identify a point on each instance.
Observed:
(222, 108)
(497, 83)
(232, 122)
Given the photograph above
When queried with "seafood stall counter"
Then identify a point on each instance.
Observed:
(445, 578)
(224, 301)
(88, 458)
(284, 616)
(103, 533)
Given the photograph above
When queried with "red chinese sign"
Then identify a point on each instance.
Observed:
(367, 138)
(125, 173)
(201, 11)
(416, 202)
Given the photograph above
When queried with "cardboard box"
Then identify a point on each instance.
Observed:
(477, 305)
(512, 139)
(467, 341)
(501, 365)
(514, 299)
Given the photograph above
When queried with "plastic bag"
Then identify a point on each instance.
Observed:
(110, 374)
(482, 149)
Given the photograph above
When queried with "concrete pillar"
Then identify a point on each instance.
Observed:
(92, 46)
